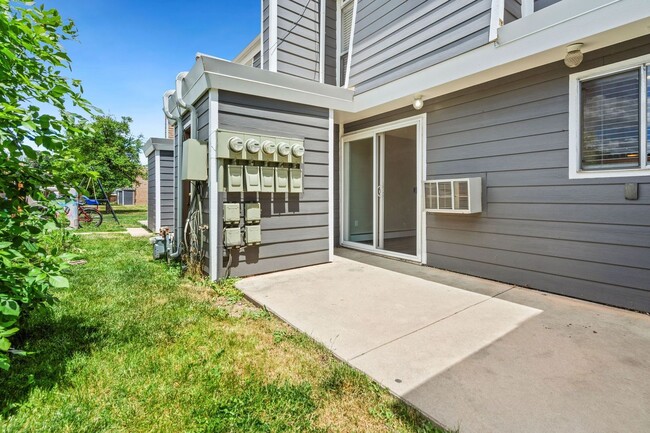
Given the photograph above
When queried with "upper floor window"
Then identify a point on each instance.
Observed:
(345, 36)
(609, 109)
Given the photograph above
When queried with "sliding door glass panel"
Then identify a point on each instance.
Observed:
(360, 191)
(399, 191)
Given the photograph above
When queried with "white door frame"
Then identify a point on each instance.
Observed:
(420, 121)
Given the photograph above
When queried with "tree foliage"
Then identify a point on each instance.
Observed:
(110, 151)
(35, 125)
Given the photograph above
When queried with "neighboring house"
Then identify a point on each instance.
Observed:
(136, 195)
(141, 191)
(448, 133)
(160, 170)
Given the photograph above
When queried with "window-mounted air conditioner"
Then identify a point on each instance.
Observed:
(453, 195)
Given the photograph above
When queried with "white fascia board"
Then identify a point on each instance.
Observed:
(148, 148)
(214, 73)
(529, 42)
(155, 143)
(249, 52)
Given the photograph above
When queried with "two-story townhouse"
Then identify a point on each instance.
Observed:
(504, 139)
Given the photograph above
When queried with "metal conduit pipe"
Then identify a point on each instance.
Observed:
(176, 247)
(182, 104)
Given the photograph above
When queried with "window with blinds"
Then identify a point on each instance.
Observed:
(347, 13)
(611, 134)
(609, 120)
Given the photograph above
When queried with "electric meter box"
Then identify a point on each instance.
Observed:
(231, 213)
(281, 179)
(252, 173)
(235, 174)
(230, 145)
(295, 180)
(253, 235)
(269, 149)
(195, 160)
(268, 179)
(232, 237)
(252, 213)
(253, 147)
(297, 152)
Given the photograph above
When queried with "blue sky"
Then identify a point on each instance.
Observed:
(129, 52)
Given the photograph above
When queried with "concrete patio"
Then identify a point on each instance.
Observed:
(471, 353)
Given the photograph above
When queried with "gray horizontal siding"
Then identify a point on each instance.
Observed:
(202, 107)
(298, 47)
(166, 180)
(394, 38)
(151, 191)
(294, 227)
(538, 228)
(330, 42)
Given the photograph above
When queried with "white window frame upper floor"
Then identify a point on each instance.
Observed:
(575, 119)
(340, 49)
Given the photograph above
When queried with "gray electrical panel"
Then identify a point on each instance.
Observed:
(195, 160)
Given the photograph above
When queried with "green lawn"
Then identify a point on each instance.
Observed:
(128, 216)
(134, 347)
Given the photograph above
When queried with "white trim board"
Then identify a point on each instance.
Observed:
(157, 193)
(351, 47)
(213, 190)
(330, 184)
(248, 54)
(273, 35)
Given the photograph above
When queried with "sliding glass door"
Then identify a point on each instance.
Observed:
(381, 192)
(360, 155)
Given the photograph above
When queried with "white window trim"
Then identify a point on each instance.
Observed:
(497, 13)
(575, 171)
(339, 48)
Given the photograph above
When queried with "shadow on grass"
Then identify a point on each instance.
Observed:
(52, 343)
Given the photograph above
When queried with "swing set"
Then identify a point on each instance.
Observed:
(95, 201)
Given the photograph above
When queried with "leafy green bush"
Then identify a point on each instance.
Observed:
(33, 259)
(35, 155)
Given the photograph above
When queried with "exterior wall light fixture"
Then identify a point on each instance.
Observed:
(418, 103)
(574, 55)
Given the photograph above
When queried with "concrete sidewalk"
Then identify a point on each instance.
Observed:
(472, 353)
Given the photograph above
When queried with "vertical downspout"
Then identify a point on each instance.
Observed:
(193, 133)
(177, 178)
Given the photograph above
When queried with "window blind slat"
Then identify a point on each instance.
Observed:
(346, 26)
